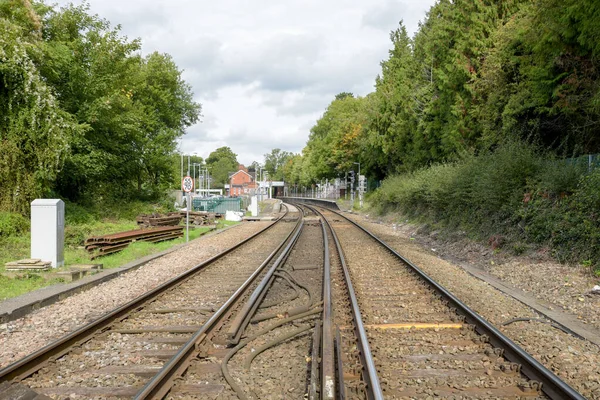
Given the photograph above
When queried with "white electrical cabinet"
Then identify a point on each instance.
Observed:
(48, 230)
(253, 206)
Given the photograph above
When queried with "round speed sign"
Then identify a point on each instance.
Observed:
(187, 184)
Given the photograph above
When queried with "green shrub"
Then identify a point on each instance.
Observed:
(12, 224)
(559, 178)
(75, 234)
(77, 214)
(516, 191)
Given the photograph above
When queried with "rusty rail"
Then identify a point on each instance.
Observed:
(132, 235)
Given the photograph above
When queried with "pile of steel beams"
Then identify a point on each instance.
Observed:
(107, 244)
(170, 219)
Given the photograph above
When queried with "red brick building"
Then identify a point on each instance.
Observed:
(241, 182)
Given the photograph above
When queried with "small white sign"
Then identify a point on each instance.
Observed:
(187, 184)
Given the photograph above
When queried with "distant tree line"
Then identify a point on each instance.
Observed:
(475, 74)
(83, 115)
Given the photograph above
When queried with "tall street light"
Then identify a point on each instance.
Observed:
(262, 178)
(197, 175)
(360, 198)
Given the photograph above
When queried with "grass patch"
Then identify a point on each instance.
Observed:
(132, 252)
(18, 247)
(12, 287)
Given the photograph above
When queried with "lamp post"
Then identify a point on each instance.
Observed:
(260, 191)
(256, 169)
(207, 180)
(265, 176)
(360, 195)
(197, 175)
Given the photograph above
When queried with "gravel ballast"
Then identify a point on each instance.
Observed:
(25, 335)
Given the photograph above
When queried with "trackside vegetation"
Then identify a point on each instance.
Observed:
(474, 123)
(516, 198)
(87, 117)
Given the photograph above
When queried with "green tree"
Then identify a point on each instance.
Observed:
(332, 147)
(221, 163)
(136, 108)
(83, 114)
(343, 95)
(541, 80)
(274, 162)
(388, 139)
(35, 133)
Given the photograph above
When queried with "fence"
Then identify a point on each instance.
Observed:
(217, 205)
(591, 161)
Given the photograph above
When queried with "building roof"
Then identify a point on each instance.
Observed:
(237, 172)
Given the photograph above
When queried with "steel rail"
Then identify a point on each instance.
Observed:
(160, 385)
(374, 391)
(243, 317)
(30, 364)
(554, 387)
(328, 389)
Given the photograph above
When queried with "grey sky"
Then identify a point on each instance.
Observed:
(264, 70)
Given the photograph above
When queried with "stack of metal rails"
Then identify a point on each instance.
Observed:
(107, 244)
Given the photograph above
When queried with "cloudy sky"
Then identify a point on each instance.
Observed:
(264, 70)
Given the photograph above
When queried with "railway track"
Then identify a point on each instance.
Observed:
(424, 342)
(327, 313)
(116, 355)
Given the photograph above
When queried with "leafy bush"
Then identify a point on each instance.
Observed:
(12, 224)
(75, 235)
(476, 190)
(76, 214)
(516, 191)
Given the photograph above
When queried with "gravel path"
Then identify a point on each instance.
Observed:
(565, 287)
(22, 336)
(576, 361)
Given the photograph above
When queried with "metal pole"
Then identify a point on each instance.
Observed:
(187, 219)
(201, 177)
(360, 200)
(181, 180)
(187, 209)
(346, 186)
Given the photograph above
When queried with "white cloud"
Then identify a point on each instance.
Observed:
(264, 71)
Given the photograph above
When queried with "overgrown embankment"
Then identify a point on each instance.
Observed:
(517, 197)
